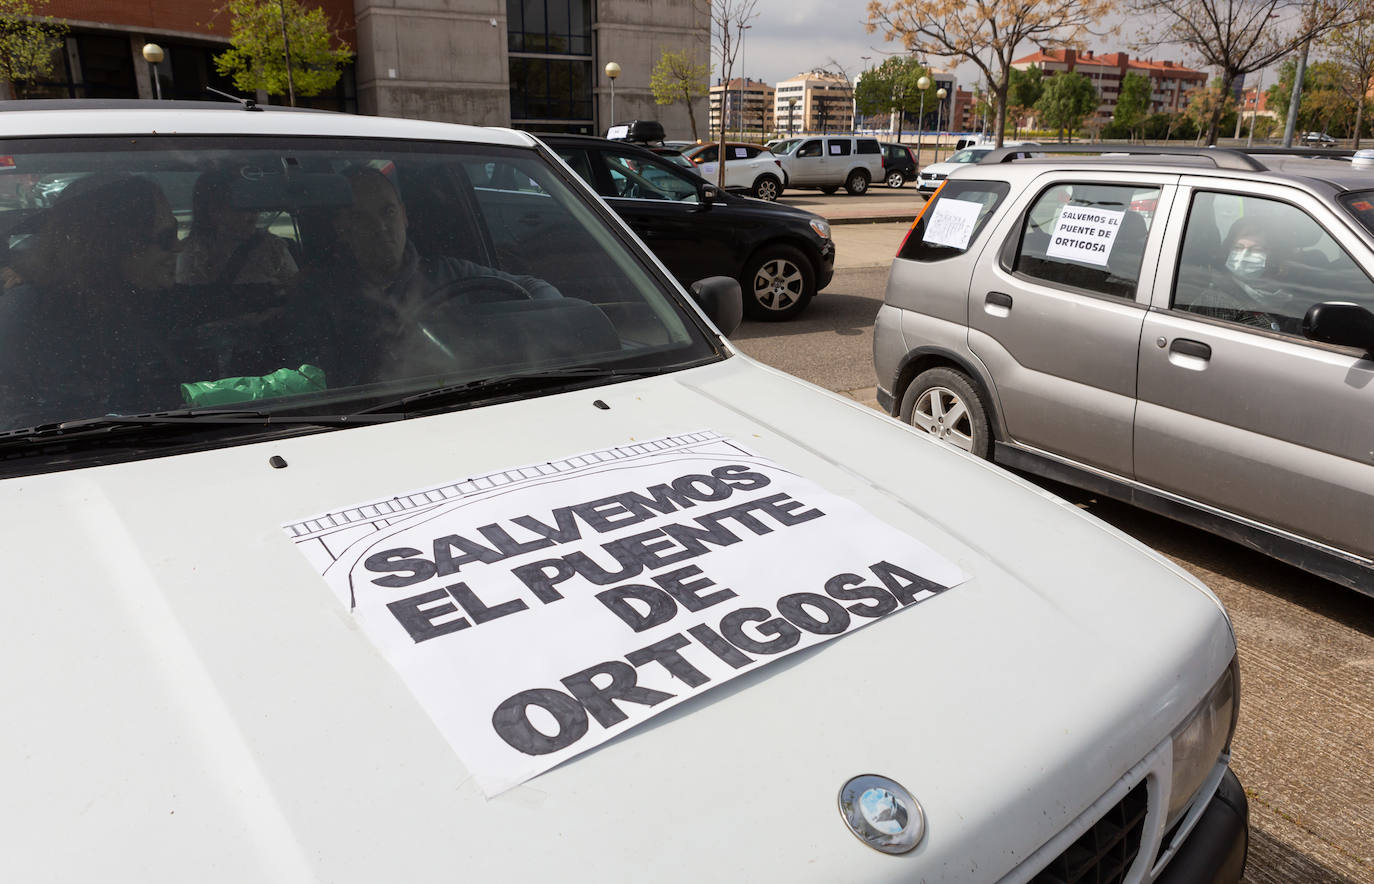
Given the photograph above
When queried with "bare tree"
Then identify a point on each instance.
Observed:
(728, 21)
(1239, 37)
(1353, 49)
(987, 33)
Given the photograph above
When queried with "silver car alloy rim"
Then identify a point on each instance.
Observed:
(767, 190)
(942, 414)
(896, 179)
(778, 284)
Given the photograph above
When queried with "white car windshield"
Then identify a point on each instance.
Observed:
(969, 155)
(307, 276)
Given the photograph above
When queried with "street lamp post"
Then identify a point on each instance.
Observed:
(744, 80)
(939, 106)
(791, 116)
(152, 53)
(612, 71)
(923, 84)
(853, 95)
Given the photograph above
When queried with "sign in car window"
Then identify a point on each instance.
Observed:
(536, 612)
(952, 223)
(1084, 234)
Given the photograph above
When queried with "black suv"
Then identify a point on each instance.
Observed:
(899, 164)
(781, 256)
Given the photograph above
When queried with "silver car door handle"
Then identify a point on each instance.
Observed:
(997, 304)
(1189, 354)
(1189, 347)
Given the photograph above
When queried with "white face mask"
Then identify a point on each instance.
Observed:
(1246, 262)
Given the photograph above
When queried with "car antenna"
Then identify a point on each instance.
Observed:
(248, 103)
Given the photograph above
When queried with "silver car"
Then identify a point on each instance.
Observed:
(1190, 332)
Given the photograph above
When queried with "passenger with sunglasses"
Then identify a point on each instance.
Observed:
(97, 284)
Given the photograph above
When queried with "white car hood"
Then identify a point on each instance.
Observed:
(187, 699)
(942, 168)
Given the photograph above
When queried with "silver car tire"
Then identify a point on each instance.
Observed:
(778, 283)
(767, 188)
(857, 183)
(895, 179)
(944, 403)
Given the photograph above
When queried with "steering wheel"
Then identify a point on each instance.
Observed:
(444, 318)
(475, 290)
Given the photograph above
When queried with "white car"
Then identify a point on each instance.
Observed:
(748, 167)
(932, 175)
(378, 508)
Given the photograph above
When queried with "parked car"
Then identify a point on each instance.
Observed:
(933, 174)
(832, 162)
(1199, 346)
(338, 576)
(1317, 138)
(899, 164)
(782, 256)
(749, 168)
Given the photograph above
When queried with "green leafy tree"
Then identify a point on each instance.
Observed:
(1209, 108)
(1025, 90)
(678, 77)
(282, 47)
(28, 44)
(1132, 103)
(1066, 102)
(892, 87)
(1326, 101)
(1353, 49)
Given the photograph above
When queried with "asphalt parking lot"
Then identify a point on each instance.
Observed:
(1305, 744)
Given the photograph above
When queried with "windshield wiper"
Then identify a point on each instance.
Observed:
(476, 389)
(181, 420)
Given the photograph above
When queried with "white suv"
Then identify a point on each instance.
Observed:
(748, 167)
(362, 475)
(833, 161)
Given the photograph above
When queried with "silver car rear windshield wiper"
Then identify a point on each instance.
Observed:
(476, 389)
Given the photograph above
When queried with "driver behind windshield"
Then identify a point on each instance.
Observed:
(84, 334)
(381, 286)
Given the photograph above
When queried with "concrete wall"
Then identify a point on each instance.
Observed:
(634, 33)
(434, 60)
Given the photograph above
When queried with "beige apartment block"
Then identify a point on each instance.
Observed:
(814, 102)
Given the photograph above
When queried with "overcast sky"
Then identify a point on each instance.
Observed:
(790, 37)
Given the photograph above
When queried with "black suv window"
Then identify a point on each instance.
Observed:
(1088, 236)
(867, 145)
(810, 149)
(634, 176)
(1262, 263)
(952, 220)
(837, 147)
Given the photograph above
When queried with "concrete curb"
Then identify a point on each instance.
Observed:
(905, 218)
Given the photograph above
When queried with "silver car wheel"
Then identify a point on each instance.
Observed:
(778, 284)
(942, 414)
(766, 189)
(895, 179)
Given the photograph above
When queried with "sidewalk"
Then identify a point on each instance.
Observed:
(879, 205)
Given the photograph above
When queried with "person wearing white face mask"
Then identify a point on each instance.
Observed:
(1253, 293)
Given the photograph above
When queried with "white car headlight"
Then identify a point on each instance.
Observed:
(822, 229)
(1201, 740)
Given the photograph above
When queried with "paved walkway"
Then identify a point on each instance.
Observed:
(879, 204)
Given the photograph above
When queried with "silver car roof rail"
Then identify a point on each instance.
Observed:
(1221, 157)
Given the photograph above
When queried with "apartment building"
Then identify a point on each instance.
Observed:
(745, 104)
(1169, 81)
(814, 102)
